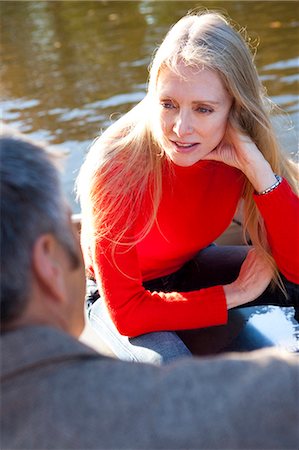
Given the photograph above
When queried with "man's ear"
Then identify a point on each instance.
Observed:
(47, 267)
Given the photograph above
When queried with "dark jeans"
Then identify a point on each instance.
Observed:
(221, 265)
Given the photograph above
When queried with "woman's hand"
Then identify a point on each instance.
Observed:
(238, 150)
(255, 275)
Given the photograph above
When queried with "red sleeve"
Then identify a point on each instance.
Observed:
(136, 311)
(280, 211)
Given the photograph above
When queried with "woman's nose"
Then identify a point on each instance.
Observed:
(182, 125)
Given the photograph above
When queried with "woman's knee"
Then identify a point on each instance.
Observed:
(159, 347)
(155, 348)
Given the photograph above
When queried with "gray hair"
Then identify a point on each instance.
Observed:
(32, 204)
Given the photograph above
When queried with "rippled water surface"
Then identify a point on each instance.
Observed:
(68, 68)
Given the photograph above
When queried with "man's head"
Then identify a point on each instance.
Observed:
(42, 273)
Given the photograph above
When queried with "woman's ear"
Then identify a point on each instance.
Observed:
(47, 267)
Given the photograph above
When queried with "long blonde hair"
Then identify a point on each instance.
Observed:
(125, 163)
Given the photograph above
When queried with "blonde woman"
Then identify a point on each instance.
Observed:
(163, 182)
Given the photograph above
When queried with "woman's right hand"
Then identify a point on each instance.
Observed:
(238, 150)
(254, 277)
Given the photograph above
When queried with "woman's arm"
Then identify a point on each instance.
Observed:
(279, 207)
(135, 310)
(280, 210)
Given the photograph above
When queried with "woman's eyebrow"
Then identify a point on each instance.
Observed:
(210, 102)
(165, 95)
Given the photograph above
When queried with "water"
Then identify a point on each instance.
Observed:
(68, 68)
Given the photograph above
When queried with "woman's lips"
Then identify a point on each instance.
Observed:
(184, 147)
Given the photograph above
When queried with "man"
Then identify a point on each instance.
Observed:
(59, 394)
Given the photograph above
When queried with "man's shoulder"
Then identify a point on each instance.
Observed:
(30, 347)
(86, 400)
(33, 355)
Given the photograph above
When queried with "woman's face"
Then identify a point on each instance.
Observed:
(193, 113)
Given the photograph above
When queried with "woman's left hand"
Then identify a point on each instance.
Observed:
(238, 150)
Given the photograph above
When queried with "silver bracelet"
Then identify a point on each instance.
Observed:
(271, 188)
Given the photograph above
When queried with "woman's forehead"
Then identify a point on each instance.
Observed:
(199, 82)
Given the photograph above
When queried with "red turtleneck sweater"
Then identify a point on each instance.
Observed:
(197, 205)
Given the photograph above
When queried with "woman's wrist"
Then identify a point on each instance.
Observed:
(261, 176)
(272, 187)
(234, 295)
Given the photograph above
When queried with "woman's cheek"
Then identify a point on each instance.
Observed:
(221, 127)
(164, 124)
(157, 122)
(217, 136)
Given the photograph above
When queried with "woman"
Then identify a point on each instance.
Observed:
(164, 181)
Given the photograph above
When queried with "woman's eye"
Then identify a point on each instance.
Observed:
(167, 105)
(204, 110)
